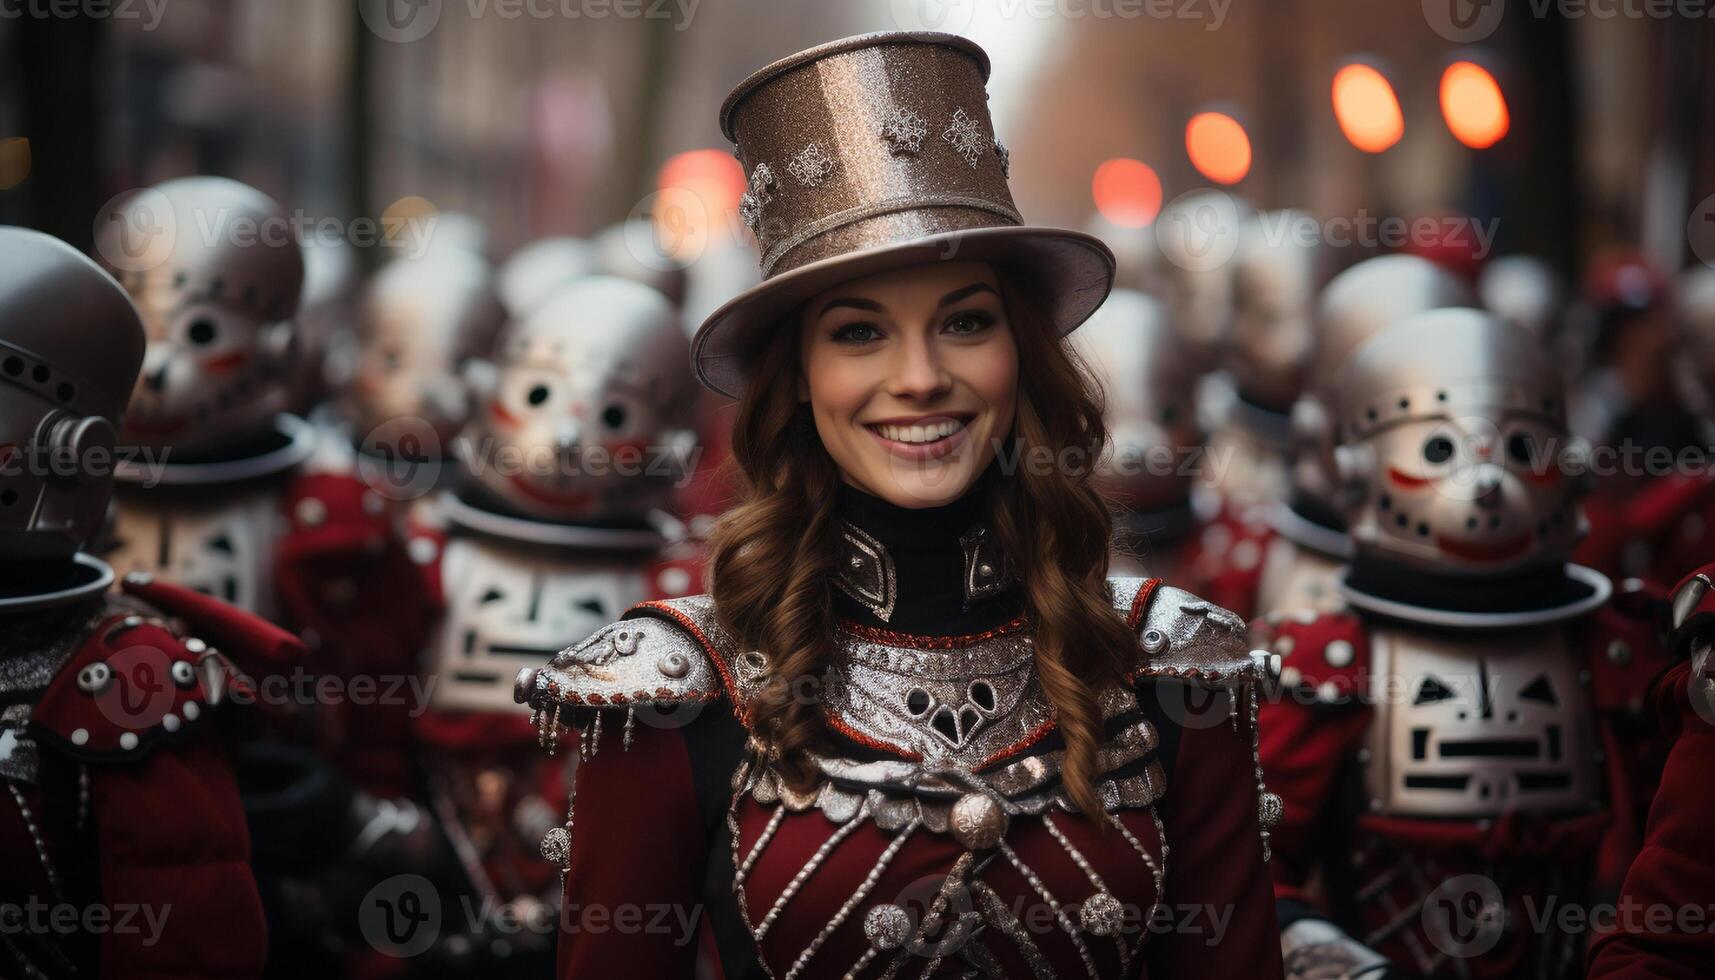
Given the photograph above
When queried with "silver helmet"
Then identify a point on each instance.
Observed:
(643, 250)
(536, 270)
(1149, 380)
(1274, 294)
(420, 319)
(1694, 308)
(585, 414)
(1198, 235)
(1356, 305)
(215, 269)
(1454, 445)
(70, 347)
(1524, 291)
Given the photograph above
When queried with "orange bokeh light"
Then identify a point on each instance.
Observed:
(1366, 108)
(1218, 147)
(1127, 192)
(1472, 104)
(713, 175)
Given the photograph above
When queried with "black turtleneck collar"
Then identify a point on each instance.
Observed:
(929, 564)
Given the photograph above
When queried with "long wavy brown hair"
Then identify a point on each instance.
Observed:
(774, 552)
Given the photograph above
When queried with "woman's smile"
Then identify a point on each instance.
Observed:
(923, 437)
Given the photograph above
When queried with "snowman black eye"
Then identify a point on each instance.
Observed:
(202, 331)
(613, 416)
(537, 395)
(1439, 449)
(1521, 448)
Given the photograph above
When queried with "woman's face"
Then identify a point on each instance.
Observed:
(912, 376)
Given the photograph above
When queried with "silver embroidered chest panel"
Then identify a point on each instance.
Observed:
(949, 706)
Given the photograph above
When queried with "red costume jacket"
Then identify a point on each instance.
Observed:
(652, 854)
(352, 584)
(128, 813)
(1661, 533)
(1663, 919)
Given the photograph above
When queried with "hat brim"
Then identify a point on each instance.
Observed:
(1069, 272)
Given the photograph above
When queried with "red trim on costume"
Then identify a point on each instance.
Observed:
(891, 638)
(1015, 748)
(1140, 603)
(875, 743)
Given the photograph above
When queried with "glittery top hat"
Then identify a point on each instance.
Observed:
(867, 154)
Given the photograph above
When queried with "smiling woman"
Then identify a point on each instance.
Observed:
(912, 378)
(915, 726)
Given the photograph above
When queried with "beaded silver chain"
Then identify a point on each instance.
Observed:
(36, 836)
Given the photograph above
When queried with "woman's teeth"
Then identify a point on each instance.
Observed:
(919, 433)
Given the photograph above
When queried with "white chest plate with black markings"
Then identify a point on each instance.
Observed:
(1479, 723)
(510, 606)
(222, 546)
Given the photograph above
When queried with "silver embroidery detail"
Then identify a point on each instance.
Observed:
(966, 137)
(904, 131)
(761, 192)
(812, 165)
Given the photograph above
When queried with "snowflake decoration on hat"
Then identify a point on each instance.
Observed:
(751, 203)
(812, 165)
(1005, 155)
(904, 131)
(966, 137)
